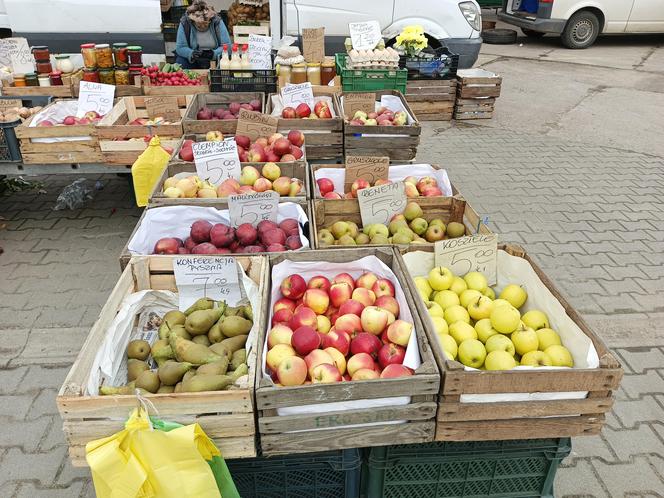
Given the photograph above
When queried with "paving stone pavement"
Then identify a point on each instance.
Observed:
(592, 216)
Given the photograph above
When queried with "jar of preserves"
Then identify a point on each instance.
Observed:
(64, 64)
(44, 80)
(31, 79)
(107, 76)
(19, 80)
(284, 74)
(41, 53)
(91, 75)
(56, 78)
(134, 70)
(44, 67)
(328, 72)
(104, 55)
(313, 73)
(135, 53)
(298, 73)
(121, 76)
(89, 55)
(120, 55)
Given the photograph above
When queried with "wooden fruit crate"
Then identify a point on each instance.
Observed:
(324, 137)
(477, 82)
(190, 124)
(66, 152)
(114, 130)
(534, 419)
(455, 208)
(432, 100)
(398, 142)
(226, 416)
(325, 431)
(479, 108)
(241, 32)
(60, 91)
(150, 89)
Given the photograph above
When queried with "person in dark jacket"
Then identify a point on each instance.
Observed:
(201, 36)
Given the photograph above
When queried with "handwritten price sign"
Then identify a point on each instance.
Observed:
(370, 168)
(206, 276)
(253, 208)
(95, 97)
(259, 50)
(379, 204)
(254, 124)
(313, 44)
(364, 35)
(294, 95)
(466, 254)
(217, 161)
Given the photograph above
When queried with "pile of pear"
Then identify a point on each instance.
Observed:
(200, 349)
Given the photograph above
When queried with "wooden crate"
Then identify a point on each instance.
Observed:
(150, 89)
(60, 91)
(241, 32)
(324, 137)
(325, 431)
(71, 151)
(114, 130)
(479, 108)
(432, 100)
(477, 82)
(455, 208)
(214, 101)
(226, 416)
(400, 142)
(462, 421)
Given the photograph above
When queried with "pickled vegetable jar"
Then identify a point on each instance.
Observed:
(64, 64)
(91, 75)
(41, 53)
(31, 79)
(44, 67)
(19, 80)
(328, 72)
(135, 55)
(121, 76)
(313, 73)
(134, 70)
(44, 80)
(104, 55)
(120, 55)
(89, 55)
(107, 76)
(298, 73)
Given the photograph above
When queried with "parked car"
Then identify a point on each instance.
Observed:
(453, 23)
(579, 22)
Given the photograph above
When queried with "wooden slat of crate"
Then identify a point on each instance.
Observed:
(469, 92)
(479, 108)
(60, 91)
(227, 416)
(433, 110)
(115, 125)
(241, 33)
(152, 90)
(126, 152)
(325, 431)
(214, 101)
(430, 89)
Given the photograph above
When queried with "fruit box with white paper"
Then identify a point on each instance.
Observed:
(226, 416)
(188, 229)
(219, 111)
(322, 126)
(332, 381)
(394, 136)
(507, 375)
(123, 133)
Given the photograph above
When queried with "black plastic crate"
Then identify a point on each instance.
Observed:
(333, 474)
(260, 80)
(441, 64)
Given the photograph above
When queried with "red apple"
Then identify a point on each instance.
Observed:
(352, 307)
(317, 357)
(246, 234)
(365, 343)
(325, 185)
(358, 361)
(383, 287)
(222, 235)
(292, 371)
(282, 147)
(305, 340)
(296, 152)
(358, 185)
(302, 110)
(394, 370)
(293, 287)
(332, 195)
(243, 141)
(296, 137)
(282, 315)
(340, 292)
(283, 302)
(279, 334)
(325, 373)
(344, 277)
(364, 296)
(317, 300)
(303, 317)
(366, 280)
(374, 320)
(351, 324)
(275, 236)
(288, 113)
(287, 158)
(399, 332)
(391, 354)
(388, 303)
(319, 282)
(200, 231)
(204, 248)
(338, 340)
(167, 245)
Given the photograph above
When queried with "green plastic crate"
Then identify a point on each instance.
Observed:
(333, 474)
(369, 80)
(487, 469)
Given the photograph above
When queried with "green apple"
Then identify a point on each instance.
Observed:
(456, 313)
(536, 359)
(437, 222)
(396, 224)
(440, 278)
(481, 308)
(489, 293)
(458, 285)
(362, 239)
(515, 294)
(448, 344)
(484, 329)
(468, 296)
(353, 230)
(500, 342)
(505, 319)
(379, 239)
(525, 340)
(346, 240)
(412, 211)
(547, 337)
(446, 298)
(401, 238)
(419, 226)
(439, 325)
(461, 331)
(422, 284)
(472, 353)
(378, 229)
(339, 229)
(325, 237)
(536, 319)
(476, 280)
(499, 360)
(559, 356)
(434, 309)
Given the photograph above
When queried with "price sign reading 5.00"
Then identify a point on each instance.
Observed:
(466, 254)
(379, 204)
(253, 208)
(206, 276)
(95, 97)
(217, 161)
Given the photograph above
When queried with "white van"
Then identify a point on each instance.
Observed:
(580, 21)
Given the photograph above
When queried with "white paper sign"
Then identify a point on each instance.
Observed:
(260, 51)
(379, 204)
(466, 254)
(15, 52)
(217, 161)
(253, 208)
(364, 35)
(294, 95)
(95, 97)
(206, 276)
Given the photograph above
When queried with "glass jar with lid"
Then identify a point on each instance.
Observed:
(120, 55)
(44, 80)
(298, 73)
(56, 78)
(121, 76)
(134, 70)
(19, 80)
(328, 71)
(313, 73)
(91, 75)
(284, 73)
(41, 53)
(107, 76)
(43, 67)
(64, 64)
(135, 53)
(104, 55)
(31, 79)
(89, 55)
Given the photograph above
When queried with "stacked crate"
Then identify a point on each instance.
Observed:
(477, 90)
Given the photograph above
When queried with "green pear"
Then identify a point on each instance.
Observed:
(234, 325)
(171, 372)
(241, 370)
(201, 339)
(179, 330)
(166, 390)
(113, 390)
(239, 357)
(201, 321)
(170, 320)
(201, 383)
(138, 350)
(214, 334)
(191, 352)
(247, 312)
(215, 368)
(203, 303)
(135, 368)
(149, 381)
(230, 345)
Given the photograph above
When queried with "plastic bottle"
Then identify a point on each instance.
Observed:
(236, 63)
(224, 62)
(245, 60)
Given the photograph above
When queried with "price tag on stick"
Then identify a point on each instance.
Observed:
(206, 276)
(294, 95)
(253, 208)
(217, 161)
(165, 107)
(358, 101)
(379, 204)
(466, 254)
(313, 44)
(364, 35)
(254, 124)
(370, 168)
(96, 97)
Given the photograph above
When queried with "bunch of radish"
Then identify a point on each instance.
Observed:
(179, 77)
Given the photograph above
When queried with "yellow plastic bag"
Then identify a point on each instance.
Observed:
(148, 169)
(140, 462)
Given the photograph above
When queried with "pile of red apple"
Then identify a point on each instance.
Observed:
(275, 149)
(340, 330)
(427, 186)
(303, 111)
(231, 112)
(206, 238)
(89, 117)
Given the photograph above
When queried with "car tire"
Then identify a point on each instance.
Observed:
(499, 36)
(581, 30)
(531, 33)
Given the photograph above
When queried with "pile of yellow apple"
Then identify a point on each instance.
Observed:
(483, 332)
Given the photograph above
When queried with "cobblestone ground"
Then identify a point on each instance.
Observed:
(592, 217)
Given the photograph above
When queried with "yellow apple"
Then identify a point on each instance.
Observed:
(439, 325)
(548, 337)
(468, 296)
(499, 360)
(535, 319)
(423, 287)
(461, 331)
(458, 285)
(481, 308)
(472, 353)
(500, 342)
(515, 294)
(560, 356)
(476, 280)
(525, 340)
(456, 313)
(434, 309)
(446, 298)
(501, 302)
(484, 329)
(489, 293)
(536, 359)
(440, 278)
(505, 319)
(448, 344)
